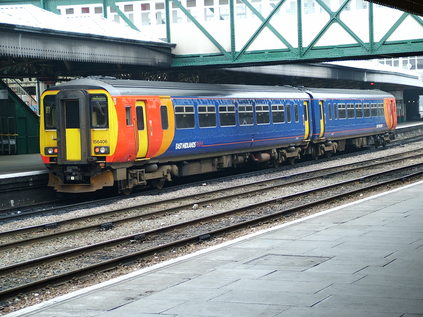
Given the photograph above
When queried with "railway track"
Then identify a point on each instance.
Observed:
(76, 261)
(108, 219)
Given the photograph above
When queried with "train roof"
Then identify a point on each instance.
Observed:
(176, 89)
(118, 87)
(327, 93)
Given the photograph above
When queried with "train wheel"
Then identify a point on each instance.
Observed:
(123, 187)
(158, 183)
(314, 153)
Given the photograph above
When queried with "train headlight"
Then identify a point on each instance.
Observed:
(51, 151)
(101, 150)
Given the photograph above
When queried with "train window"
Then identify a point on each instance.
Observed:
(245, 114)
(227, 115)
(184, 116)
(262, 114)
(296, 115)
(359, 110)
(140, 118)
(278, 113)
(366, 110)
(99, 114)
(128, 114)
(288, 113)
(165, 120)
(350, 110)
(50, 112)
(71, 114)
(206, 116)
(374, 110)
(329, 111)
(342, 113)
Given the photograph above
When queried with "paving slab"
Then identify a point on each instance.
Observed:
(362, 259)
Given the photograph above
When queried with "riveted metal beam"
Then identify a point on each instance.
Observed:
(391, 30)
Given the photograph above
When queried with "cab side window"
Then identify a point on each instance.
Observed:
(165, 120)
(50, 112)
(99, 111)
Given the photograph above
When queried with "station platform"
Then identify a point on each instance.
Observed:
(361, 259)
(12, 166)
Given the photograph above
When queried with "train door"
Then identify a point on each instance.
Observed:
(322, 119)
(306, 121)
(74, 134)
(142, 129)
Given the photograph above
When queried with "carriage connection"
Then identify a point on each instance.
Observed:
(103, 132)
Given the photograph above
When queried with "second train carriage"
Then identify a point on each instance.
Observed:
(96, 132)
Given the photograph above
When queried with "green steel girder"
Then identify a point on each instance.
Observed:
(309, 52)
(232, 56)
(321, 53)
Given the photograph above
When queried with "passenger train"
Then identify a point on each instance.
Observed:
(104, 132)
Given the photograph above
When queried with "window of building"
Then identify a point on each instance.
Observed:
(342, 113)
(350, 110)
(69, 11)
(359, 110)
(184, 117)
(128, 8)
(98, 10)
(227, 115)
(240, 9)
(309, 6)
(278, 113)
(145, 14)
(245, 113)
(177, 16)
(99, 112)
(191, 3)
(223, 9)
(85, 10)
(262, 114)
(160, 17)
(206, 116)
(209, 13)
(165, 120)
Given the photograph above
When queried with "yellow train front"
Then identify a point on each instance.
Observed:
(91, 133)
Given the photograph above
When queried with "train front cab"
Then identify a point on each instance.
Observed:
(78, 132)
